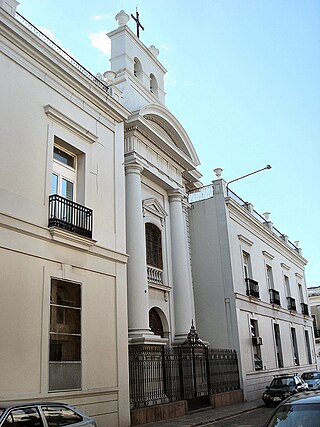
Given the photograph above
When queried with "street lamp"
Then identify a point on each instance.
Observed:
(248, 174)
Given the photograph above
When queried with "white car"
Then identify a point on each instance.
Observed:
(312, 378)
(42, 414)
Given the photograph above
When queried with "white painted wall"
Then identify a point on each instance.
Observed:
(36, 77)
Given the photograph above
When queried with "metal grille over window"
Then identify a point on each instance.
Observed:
(65, 336)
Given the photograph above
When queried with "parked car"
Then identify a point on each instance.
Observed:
(42, 414)
(300, 410)
(312, 378)
(283, 386)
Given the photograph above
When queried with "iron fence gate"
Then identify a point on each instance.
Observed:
(191, 371)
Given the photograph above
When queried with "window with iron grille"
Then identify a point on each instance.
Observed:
(65, 336)
(154, 246)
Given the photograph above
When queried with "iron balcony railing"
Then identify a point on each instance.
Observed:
(252, 287)
(274, 297)
(71, 216)
(291, 304)
(304, 309)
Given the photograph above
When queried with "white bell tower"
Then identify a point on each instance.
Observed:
(139, 75)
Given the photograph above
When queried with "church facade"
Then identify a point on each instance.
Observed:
(100, 247)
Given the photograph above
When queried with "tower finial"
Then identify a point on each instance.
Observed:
(136, 18)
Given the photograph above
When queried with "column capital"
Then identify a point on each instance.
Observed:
(134, 166)
(176, 195)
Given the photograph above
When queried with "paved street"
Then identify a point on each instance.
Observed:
(254, 418)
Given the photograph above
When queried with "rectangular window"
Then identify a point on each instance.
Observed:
(277, 337)
(256, 343)
(246, 265)
(300, 293)
(295, 347)
(65, 336)
(306, 334)
(287, 285)
(269, 277)
(64, 173)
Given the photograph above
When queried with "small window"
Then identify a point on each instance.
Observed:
(63, 157)
(295, 347)
(287, 286)
(269, 277)
(246, 265)
(137, 68)
(63, 177)
(277, 337)
(153, 85)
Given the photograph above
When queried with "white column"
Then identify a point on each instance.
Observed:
(138, 304)
(182, 282)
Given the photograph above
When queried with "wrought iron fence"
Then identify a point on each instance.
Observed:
(162, 374)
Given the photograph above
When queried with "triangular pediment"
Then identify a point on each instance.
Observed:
(153, 206)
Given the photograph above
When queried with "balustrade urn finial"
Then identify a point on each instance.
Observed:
(266, 215)
(122, 18)
(218, 172)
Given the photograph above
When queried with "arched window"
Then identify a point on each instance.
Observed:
(137, 68)
(153, 246)
(155, 323)
(153, 85)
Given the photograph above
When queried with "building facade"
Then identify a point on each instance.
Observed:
(63, 257)
(160, 166)
(250, 291)
(314, 304)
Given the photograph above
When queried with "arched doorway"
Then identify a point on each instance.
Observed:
(155, 323)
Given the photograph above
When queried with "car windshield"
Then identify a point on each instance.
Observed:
(282, 382)
(296, 416)
(311, 376)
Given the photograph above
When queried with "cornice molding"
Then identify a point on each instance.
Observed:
(72, 125)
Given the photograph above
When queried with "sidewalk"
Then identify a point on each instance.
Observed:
(202, 417)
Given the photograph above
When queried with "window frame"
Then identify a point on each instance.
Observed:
(65, 338)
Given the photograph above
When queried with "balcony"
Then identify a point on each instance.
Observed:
(291, 304)
(70, 216)
(252, 287)
(274, 297)
(155, 275)
(304, 309)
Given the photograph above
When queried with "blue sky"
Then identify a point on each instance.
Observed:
(243, 79)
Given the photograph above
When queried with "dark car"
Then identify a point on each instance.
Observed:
(283, 386)
(42, 414)
(300, 410)
(312, 378)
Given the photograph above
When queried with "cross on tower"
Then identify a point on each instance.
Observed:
(136, 18)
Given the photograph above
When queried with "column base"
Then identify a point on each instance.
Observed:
(145, 338)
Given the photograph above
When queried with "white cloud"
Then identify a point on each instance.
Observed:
(102, 17)
(165, 47)
(187, 83)
(101, 42)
